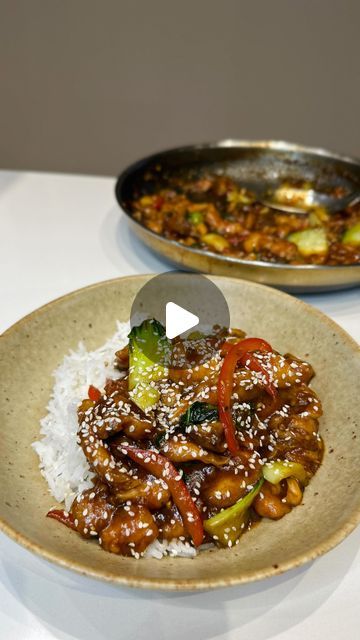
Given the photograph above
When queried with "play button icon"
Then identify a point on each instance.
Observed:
(178, 320)
(188, 306)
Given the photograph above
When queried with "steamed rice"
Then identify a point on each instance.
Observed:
(62, 461)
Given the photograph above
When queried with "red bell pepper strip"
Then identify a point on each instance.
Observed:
(240, 351)
(250, 361)
(159, 203)
(94, 393)
(162, 468)
(63, 517)
(227, 346)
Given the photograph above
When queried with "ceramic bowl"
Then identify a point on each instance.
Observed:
(32, 348)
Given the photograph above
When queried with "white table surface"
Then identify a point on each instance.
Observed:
(59, 233)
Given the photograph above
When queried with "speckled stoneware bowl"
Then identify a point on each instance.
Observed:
(32, 348)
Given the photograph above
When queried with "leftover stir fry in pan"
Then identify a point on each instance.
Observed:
(195, 454)
(214, 213)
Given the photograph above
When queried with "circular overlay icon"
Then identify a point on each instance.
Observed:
(178, 318)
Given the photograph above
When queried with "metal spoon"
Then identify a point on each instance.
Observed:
(310, 199)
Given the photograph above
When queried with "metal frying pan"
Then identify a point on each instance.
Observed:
(261, 167)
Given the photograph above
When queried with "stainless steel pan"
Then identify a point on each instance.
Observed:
(258, 166)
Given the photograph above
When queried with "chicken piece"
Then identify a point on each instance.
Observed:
(297, 440)
(122, 358)
(222, 488)
(268, 503)
(92, 510)
(302, 401)
(111, 414)
(285, 370)
(102, 461)
(200, 186)
(205, 391)
(288, 369)
(176, 218)
(119, 385)
(201, 393)
(165, 212)
(102, 424)
(116, 412)
(197, 373)
(295, 427)
(209, 435)
(153, 221)
(196, 474)
(294, 492)
(152, 493)
(304, 369)
(216, 223)
(340, 253)
(239, 334)
(138, 429)
(283, 249)
(170, 395)
(247, 385)
(287, 223)
(130, 531)
(148, 490)
(179, 449)
(170, 523)
(309, 458)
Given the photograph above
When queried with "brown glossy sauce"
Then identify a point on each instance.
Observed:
(192, 211)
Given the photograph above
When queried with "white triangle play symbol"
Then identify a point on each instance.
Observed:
(178, 320)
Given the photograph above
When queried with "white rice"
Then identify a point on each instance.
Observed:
(62, 461)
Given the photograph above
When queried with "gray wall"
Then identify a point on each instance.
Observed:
(87, 86)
